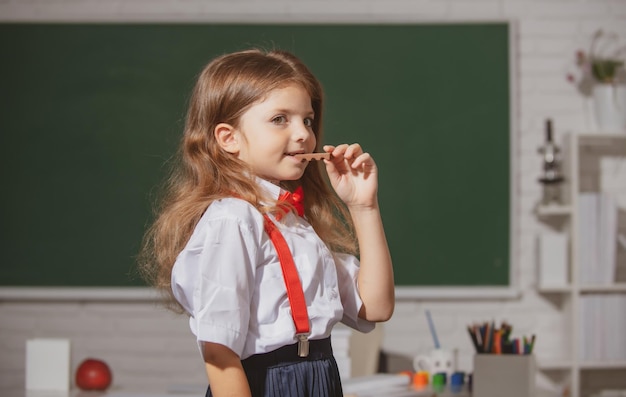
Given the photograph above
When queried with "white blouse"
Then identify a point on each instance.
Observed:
(229, 279)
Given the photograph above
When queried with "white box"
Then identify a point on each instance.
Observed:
(48, 364)
(511, 375)
(552, 247)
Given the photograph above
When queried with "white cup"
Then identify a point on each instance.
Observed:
(438, 360)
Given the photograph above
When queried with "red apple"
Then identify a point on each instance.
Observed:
(93, 374)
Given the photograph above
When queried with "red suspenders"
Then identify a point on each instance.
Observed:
(294, 287)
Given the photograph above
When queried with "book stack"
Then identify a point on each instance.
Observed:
(553, 259)
(377, 385)
(341, 350)
(597, 232)
(603, 326)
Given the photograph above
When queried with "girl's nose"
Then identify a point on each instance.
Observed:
(301, 132)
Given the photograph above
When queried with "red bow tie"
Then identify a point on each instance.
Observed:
(295, 200)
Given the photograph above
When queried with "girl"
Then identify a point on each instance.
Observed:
(216, 248)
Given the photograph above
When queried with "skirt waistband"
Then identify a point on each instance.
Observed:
(318, 349)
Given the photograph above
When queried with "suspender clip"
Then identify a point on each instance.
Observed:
(303, 344)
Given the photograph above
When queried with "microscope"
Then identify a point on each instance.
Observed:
(552, 177)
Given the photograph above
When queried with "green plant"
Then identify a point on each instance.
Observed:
(603, 63)
(605, 70)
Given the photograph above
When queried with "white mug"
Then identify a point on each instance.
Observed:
(438, 360)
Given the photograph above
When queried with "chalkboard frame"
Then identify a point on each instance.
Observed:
(410, 291)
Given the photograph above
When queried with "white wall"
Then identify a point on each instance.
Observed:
(150, 348)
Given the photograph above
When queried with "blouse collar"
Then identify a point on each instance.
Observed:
(274, 191)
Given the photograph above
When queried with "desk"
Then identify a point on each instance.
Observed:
(390, 385)
(113, 393)
(394, 392)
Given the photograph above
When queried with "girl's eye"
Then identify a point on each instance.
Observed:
(308, 122)
(279, 120)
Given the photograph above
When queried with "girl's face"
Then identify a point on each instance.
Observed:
(275, 129)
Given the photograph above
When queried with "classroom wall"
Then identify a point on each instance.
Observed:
(150, 348)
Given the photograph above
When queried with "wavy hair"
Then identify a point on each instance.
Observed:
(202, 171)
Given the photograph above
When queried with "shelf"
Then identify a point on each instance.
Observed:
(590, 365)
(565, 217)
(554, 289)
(590, 289)
(564, 364)
(554, 210)
(554, 365)
(600, 136)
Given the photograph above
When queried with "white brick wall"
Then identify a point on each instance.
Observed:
(146, 346)
(151, 349)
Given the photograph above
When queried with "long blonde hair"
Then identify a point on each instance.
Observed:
(203, 172)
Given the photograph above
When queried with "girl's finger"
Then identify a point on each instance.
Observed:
(353, 151)
(362, 159)
(339, 151)
(328, 148)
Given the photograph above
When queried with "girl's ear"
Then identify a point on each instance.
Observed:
(227, 137)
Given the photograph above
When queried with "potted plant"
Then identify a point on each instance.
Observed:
(603, 78)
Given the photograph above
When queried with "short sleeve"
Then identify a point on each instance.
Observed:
(216, 276)
(347, 272)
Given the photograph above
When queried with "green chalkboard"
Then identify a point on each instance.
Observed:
(89, 114)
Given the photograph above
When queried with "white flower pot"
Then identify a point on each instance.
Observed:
(609, 107)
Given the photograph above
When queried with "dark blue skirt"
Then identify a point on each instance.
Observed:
(282, 373)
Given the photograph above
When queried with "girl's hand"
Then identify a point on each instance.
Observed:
(353, 175)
